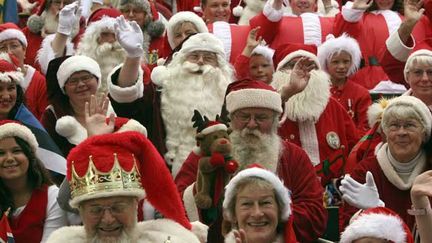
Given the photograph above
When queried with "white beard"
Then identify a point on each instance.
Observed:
(309, 104)
(125, 237)
(51, 25)
(252, 146)
(181, 94)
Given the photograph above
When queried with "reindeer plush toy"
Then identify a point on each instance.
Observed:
(215, 166)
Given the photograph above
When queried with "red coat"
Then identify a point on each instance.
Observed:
(333, 120)
(356, 101)
(296, 171)
(35, 92)
(308, 28)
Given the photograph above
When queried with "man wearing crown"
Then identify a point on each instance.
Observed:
(108, 174)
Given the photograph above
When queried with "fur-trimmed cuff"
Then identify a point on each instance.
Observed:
(126, 94)
(200, 230)
(189, 204)
(272, 14)
(397, 48)
(351, 15)
(46, 52)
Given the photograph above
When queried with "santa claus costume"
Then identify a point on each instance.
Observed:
(353, 97)
(309, 215)
(316, 121)
(168, 107)
(34, 82)
(134, 159)
(41, 215)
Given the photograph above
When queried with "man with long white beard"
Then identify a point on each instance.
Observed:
(196, 79)
(254, 108)
(107, 175)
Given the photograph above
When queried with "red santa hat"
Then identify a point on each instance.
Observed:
(9, 70)
(11, 31)
(123, 164)
(252, 94)
(75, 64)
(287, 52)
(281, 192)
(212, 126)
(99, 14)
(380, 223)
(181, 17)
(421, 50)
(334, 45)
(9, 128)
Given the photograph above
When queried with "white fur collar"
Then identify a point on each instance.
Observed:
(229, 238)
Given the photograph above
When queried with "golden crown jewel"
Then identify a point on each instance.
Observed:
(95, 181)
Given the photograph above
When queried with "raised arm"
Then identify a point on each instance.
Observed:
(421, 191)
(69, 17)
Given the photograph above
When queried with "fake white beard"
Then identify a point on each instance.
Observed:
(50, 24)
(126, 236)
(181, 94)
(252, 146)
(311, 102)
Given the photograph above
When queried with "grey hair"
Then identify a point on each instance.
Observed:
(401, 112)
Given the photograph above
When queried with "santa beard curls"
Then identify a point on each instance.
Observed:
(126, 236)
(252, 146)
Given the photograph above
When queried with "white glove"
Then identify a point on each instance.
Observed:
(130, 36)
(361, 196)
(69, 16)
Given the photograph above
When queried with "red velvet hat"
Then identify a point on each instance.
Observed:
(285, 53)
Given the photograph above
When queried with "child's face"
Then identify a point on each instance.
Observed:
(260, 68)
(338, 66)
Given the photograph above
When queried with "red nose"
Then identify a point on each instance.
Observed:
(224, 141)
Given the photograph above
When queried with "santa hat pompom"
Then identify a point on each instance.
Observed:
(155, 28)
(159, 74)
(375, 111)
(197, 9)
(71, 129)
(238, 11)
(35, 23)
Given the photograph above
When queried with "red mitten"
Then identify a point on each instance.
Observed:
(217, 159)
(231, 166)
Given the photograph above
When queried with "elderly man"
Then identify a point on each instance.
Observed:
(254, 108)
(108, 175)
(196, 78)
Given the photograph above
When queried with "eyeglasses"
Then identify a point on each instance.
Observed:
(410, 126)
(115, 209)
(258, 118)
(74, 81)
(418, 73)
(207, 57)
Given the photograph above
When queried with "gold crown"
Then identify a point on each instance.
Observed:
(95, 181)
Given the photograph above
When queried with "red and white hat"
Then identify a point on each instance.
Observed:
(203, 42)
(10, 128)
(181, 17)
(75, 64)
(9, 70)
(123, 164)
(287, 52)
(252, 94)
(282, 193)
(11, 31)
(264, 51)
(334, 45)
(380, 223)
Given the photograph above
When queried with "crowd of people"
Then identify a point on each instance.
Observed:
(114, 115)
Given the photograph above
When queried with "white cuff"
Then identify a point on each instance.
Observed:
(397, 48)
(351, 15)
(272, 14)
(126, 94)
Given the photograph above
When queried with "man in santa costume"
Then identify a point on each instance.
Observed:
(254, 108)
(312, 118)
(305, 26)
(14, 42)
(108, 174)
(196, 79)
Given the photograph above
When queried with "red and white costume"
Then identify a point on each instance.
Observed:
(34, 85)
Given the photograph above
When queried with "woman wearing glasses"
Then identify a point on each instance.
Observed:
(389, 176)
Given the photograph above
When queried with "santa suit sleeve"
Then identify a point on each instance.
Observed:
(241, 67)
(269, 21)
(46, 52)
(298, 174)
(349, 21)
(188, 172)
(56, 217)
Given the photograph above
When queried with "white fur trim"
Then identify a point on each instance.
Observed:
(28, 77)
(265, 51)
(409, 62)
(126, 94)
(17, 130)
(222, 30)
(133, 192)
(214, 128)
(312, 33)
(13, 34)
(309, 140)
(230, 238)
(335, 45)
(68, 234)
(351, 15)
(200, 230)
(8, 77)
(374, 112)
(148, 210)
(299, 53)
(75, 64)
(71, 129)
(388, 87)
(181, 17)
(393, 20)
(133, 125)
(205, 42)
(159, 74)
(281, 191)
(46, 53)
(256, 98)
(189, 204)
(382, 226)
(397, 48)
(272, 14)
